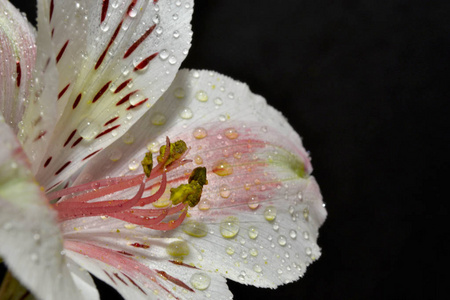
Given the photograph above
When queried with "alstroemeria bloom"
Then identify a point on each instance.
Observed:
(80, 111)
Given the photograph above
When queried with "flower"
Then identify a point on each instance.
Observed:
(98, 94)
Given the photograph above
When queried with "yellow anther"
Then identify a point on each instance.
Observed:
(176, 151)
(190, 193)
(147, 163)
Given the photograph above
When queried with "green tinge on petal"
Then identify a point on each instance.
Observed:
(12, 289)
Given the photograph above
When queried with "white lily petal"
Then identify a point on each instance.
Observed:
(115, 59)
(261, 207)
(31, 239)
(17, 58)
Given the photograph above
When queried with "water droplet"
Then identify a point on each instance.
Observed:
(230, 250)
(253, 202)
(88, 129)
(186, 113)
(34, 257)
(159, 119)
(257, 268)
(172, 60)
(306, 214)
(104, 27)
(218, 101)
(133, 165)
(200, 133)
(128, 138)
(308, 251)
(279, 271)
(200, 281)
(164, 54)
(229, 227)
(222, 168)
(159, 30)
(270, 213)
(231, 133)
(201, 96)
(198, 159)
(300, 196)
(282, 240)
(175, 17)
(179, 93)
(225, 191)
(231, 95)
(195, 228)
(222, 118)
(252, 232)
(204, 204)
(306, 235)
(253, 252)
(293, 234)
(178, 248)
(155, 19)
(276, 226)
(36, 237)
(291, 209)
(176, 34)
(241, 278)
(132, 12)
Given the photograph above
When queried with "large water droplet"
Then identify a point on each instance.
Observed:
(172, 60)
(225, 191)
(282, 240)
(252, 232)
(204, 204)
(115, 155)
(186, 113)
(229, 227)
(128, 138)
(270, 213)
(200, 281)
(253, 202)
(179, 93)
(200, 133)
(293, 234)
(222, 168)
(195, 228)
(159, 119)
(257, 268)
(178, 248)
(164, 54)
(133, 165)
(201, 96)
(231, 133)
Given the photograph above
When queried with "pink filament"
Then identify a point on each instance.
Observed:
(78, 205)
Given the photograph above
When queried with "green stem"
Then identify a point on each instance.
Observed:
(12, 289)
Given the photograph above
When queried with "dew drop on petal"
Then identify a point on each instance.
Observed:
(218, 101)
(115, 155)
(229, 227)
(178, 248)
(253, 202)
(204, 204)
(164, 54)
(282, 240)
(179, 93)
(253, 252)
(293, 234)
(88, 129)
(225, 191)
(201, 96)
(222, 168)
(270, 213)
(159, 119)
(306, 235)
(230, 250)
(172, 60)
(195, 228)
(198, 159)
(200, 281)
(257, 268)
(133, 165)
(231, 133)
(200, 133)
(253, 232)
(186, 113)
(128, 138)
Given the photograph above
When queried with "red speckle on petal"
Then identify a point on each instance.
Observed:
(137, 104)
(122, 86)
(61, 52)
(77, 142)
(139, 41)
(134, 283)
(175, 280)
(102, 57)
(112, 279)
(77, 100)
(110, 121)
(63, 91)
(117, 275)
(92, 154)
(137, 245)
(53, 186)
(53, 32)
(70, 137)
(47, 162)
(101, 92)
(40, 135)
(182, 264)
(125, 253)
(104, 10)
(62, 168)
(126, 98)
(107, 131)
(145, 62)
(51, 11)
(47, 63)
(19, 73)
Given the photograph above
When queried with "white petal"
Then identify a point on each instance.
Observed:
(30, 238)
(115, 59)
(18, 54)
(268, 167)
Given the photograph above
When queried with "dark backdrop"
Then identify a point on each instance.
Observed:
(364, 83)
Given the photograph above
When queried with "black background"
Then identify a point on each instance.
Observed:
(364, 83)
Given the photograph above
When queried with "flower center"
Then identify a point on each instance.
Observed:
(85, 200)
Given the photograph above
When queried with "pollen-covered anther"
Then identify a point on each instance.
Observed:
(88, 200)
(190, 193)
